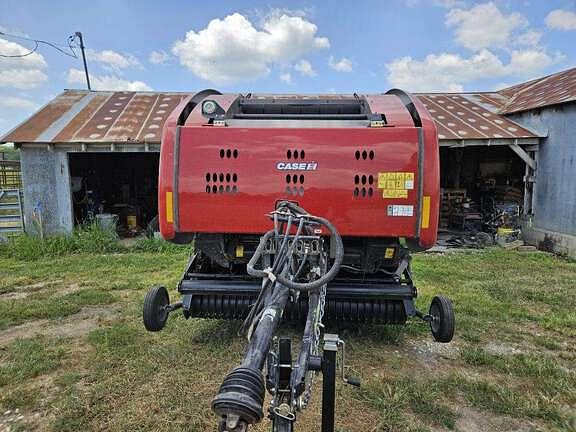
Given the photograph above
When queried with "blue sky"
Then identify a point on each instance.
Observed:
(267, 46)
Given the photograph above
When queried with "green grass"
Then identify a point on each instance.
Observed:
(28, 358)
(119, 377)
(88, 239)
(38, 306)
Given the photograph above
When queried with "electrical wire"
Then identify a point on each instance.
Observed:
(37, 42)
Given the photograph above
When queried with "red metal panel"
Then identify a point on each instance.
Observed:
(327, 191)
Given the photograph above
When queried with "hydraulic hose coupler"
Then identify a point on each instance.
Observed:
(240, 398)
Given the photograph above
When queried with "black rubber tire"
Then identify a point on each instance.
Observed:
(442, 326)
(155, 313)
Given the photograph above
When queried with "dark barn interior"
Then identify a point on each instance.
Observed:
(477, 180)
(122, 184)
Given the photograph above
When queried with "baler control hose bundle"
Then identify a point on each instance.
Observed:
(291, 260)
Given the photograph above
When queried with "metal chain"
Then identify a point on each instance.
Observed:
(315, 347)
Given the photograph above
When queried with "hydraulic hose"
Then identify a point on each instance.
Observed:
(299, 286)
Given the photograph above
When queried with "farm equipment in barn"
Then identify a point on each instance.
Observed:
(300, 208)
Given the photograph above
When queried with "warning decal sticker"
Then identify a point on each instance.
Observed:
(395, 184)
(400, 210)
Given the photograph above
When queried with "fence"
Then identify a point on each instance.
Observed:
(10, 177)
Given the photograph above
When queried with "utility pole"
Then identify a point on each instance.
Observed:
(84, 59)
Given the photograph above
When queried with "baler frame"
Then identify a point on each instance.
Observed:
(308, 271)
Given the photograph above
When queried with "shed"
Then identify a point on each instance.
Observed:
(87, 152)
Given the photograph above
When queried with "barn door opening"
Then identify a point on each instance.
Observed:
(120, 184)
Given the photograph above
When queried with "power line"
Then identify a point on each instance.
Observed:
(37, 42)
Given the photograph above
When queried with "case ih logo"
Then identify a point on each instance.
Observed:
(297, 166)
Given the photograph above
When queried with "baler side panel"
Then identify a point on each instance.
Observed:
(431, 184)
(209, 202)
(166, 180)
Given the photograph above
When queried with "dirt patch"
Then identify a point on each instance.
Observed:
(500, 348)
(23, 292)
(73, 326)
(18, 295)
(431, 353)
(470, 420)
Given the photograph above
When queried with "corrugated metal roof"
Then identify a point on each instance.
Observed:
(550, 90)
(78, 116)
(110, 117)
(459, 117)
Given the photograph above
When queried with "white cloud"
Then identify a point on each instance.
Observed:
(485, 30)
(561, 20)
(12, 102)
(483, 26)
(21, 72)
(23, 79)
(232, 49)
(112, 60)
(106, 82)
(286, 77)
(449, 72)
(305, 68)
(528, 62)
(442, 72)
(158, 57)
(529, 38)
(342, 65)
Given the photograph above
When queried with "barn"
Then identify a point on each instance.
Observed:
(88, 153)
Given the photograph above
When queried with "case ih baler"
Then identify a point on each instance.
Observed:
(300, 207)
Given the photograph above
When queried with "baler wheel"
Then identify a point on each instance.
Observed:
(442, 324)
(155, 308)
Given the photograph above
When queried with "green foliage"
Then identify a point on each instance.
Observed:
(88, 239)
(10, 153)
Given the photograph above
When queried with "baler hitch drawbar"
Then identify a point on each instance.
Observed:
(295, 265)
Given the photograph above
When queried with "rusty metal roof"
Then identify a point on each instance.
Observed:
(553, 89)
(110, 117)
(79, 116)
(467, 116)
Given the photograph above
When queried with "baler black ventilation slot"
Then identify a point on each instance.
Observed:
(295, 154)
(219, 183)
(364, 154)
(229, 153)
(363, 192)
(355, 108)
(294, 178)
(295, 190)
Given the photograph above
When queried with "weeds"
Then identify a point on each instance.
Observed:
(88, 239)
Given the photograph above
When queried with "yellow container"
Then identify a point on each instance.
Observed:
(505, 232)
(131, 221)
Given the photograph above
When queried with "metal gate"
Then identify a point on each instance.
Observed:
(11, 212)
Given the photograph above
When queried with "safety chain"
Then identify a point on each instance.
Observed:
(315, 347)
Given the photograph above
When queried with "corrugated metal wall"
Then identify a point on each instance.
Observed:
(555, 190)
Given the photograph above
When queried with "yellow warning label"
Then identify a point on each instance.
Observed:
(239, 251)
(394, 193)
(389, 253)
(395, 184)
